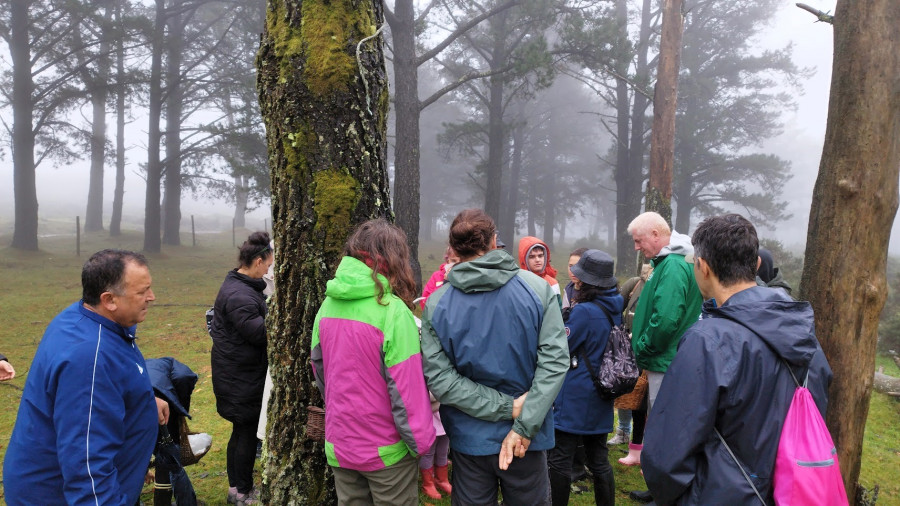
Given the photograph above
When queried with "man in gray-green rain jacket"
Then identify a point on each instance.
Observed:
(491, 333)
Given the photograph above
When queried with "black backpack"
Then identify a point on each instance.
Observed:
(618, 369)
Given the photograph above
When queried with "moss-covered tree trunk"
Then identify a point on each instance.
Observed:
(325, 107)
(854, 203)
(662, 138)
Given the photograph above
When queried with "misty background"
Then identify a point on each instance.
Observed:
(568, 106)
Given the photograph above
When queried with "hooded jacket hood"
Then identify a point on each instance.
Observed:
(353, 281)
(485, 273)
(679, 244)
(528, 243)
(785, 325)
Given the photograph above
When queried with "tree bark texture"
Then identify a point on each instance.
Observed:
(630, 178)
(325, 109)
(25, 230)
(662, 139)
(406, 149)
(497, 146)
(854, 203)
(115, 222)
(175, 46)
(152, 208)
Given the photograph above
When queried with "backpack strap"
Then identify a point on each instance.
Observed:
(746, 477)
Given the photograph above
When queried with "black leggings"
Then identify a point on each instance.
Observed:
(240, 456)
(639, 419)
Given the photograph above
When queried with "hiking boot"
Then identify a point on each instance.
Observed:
(247, 499)
(643, 496)
(232, 495)
(620, 438)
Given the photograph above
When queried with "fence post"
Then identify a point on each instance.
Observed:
(193, 233)
(78, 236)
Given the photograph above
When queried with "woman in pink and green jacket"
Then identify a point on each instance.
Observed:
(368, 366)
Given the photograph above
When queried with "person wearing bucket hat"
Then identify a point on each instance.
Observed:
(580, 415)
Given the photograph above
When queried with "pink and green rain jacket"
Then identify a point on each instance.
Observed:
(368, 365)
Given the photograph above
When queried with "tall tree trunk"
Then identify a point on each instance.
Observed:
(683, 193)
(24, 187)
(406, 149)
(623, 116)
(854, 204)
(508, 218)
(325, 109)
(152, 239)
(115, 222)
(241, 190)
(99, 89)
(629, 181)
(496, 139)
(662, 139)
(174, 107)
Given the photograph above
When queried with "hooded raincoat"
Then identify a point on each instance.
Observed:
(548, 273)
(669, 303)
(730, 373)
(368, 366)
(491, 333)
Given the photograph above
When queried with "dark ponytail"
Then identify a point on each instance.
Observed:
(257, 245)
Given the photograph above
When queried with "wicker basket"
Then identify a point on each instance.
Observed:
(187, 454)
(315, 423)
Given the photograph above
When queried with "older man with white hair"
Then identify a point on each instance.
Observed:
(670, 301)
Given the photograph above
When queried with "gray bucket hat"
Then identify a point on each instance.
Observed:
(596, 268)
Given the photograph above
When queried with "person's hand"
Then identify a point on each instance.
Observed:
(517, 405)
(513, 445)
(162, 411)
(6, 371)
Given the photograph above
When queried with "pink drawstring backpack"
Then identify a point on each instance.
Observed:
(806, 464)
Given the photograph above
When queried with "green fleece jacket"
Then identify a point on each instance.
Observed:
(669, 304)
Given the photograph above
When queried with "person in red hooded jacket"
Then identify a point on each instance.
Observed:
(534, 256)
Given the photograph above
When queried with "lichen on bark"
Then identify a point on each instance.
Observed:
(335, 195)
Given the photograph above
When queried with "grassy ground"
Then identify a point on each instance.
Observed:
(186, 279)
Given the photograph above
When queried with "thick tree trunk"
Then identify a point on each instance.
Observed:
(241, 190)
(406, 149)
(325, 108)
(854, 203)
(24, 186)
(152, 239)
(93, 217)
(629, 181)
(496, 139)
(115, 222)
(174, 107)
(507, 224)
(662, 139)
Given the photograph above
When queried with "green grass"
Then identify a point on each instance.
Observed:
(186, 279)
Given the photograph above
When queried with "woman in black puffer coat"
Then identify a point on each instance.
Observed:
(239, 360)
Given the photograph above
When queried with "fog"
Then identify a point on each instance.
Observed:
(62, 190)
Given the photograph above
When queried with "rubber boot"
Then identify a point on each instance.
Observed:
(634, 455)
(441, 481)
(559, 488)
(428, 483)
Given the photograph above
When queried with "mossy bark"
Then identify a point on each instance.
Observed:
(325, 108)
(855, 199)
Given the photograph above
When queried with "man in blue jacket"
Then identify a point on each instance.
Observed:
(88, 420)
(730, 373)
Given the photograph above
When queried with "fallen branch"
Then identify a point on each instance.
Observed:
(887, 384)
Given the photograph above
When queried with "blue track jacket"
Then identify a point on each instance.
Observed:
(87, 421)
